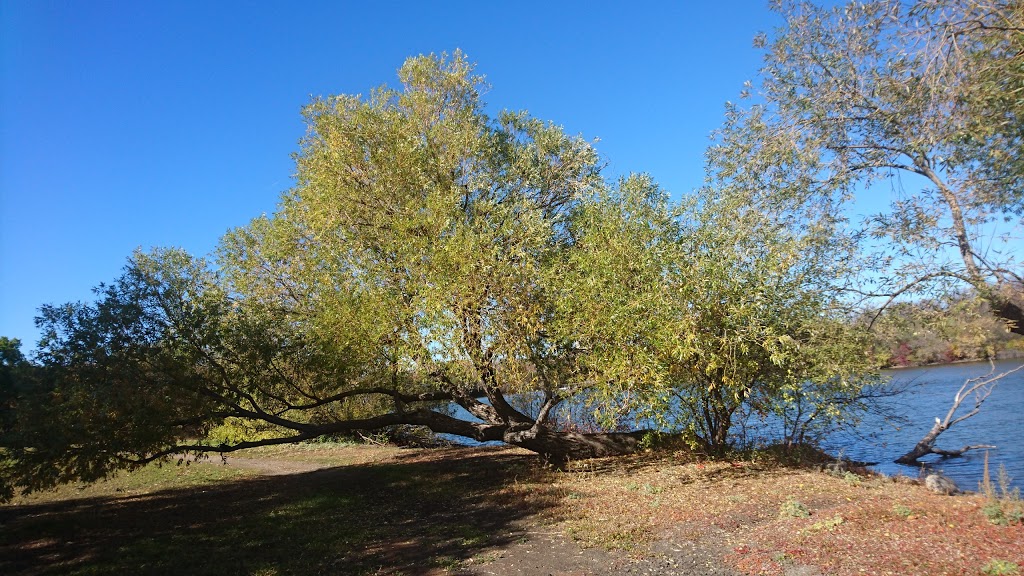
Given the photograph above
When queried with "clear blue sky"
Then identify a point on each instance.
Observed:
(140, 124)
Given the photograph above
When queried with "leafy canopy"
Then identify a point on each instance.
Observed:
(924, 97)
(435, 266)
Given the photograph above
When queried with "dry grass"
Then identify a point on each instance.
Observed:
(447, 510)
(410, 512)
(148, 480)
(857, 524)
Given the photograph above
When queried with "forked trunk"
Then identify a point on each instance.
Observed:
(560, 447)
(924, 447)
(1012, 312)
(980, 388)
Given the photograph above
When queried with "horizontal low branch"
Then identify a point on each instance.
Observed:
(436, 421)
(551, 444)
(960, 452)
(435, 396)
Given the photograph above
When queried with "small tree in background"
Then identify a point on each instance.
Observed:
(923, 99)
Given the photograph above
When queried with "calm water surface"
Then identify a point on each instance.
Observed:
(1000, 422)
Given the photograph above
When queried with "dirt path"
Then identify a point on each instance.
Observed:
(547, 551)
(494, 512)
(553, 554)
(268, 466)
(539, 550)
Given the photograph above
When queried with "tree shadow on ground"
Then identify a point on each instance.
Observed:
(412, 517)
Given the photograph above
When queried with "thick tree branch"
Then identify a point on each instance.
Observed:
(981, 388)
(438, 396)
(909, 286)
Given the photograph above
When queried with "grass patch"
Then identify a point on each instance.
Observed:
(321, 453)
(793, 509)
(411, 511)
(1000, 568)
(146, 480)
(437, 512)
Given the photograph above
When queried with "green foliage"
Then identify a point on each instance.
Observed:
(1003, 506)
(14, 378)
(688, 312)
(13, 366)
(958, 326)
(866, 98)
(418, 236)
(793, 509)
(852, 479)
(613, 301)
(14, 369)
(828, 525)
(1000, 568)
(902, 511)
(432, 253)
(409, 263)
(109, 380)
(10, 352)
(236, 430)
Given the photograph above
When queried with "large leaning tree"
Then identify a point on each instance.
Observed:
(440, 268)
(419, 245)
(916, 110)
(409, 278)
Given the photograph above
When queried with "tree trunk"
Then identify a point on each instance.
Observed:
(560, 447)
(924, 446)
(927, 446)
(1006, 308)
(552, 445)
(1012, 312)
(980, 388)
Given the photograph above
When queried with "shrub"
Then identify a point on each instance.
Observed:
(793, 509)
(901, 510)
(1004, 506)
(1000, 568)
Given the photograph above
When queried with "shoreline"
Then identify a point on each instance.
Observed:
(1014, 356)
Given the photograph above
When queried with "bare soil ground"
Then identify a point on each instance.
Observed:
(495, 511)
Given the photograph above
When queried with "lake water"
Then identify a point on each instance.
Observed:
(1000, 423)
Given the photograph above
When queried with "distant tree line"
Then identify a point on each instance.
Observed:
(952, 327)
